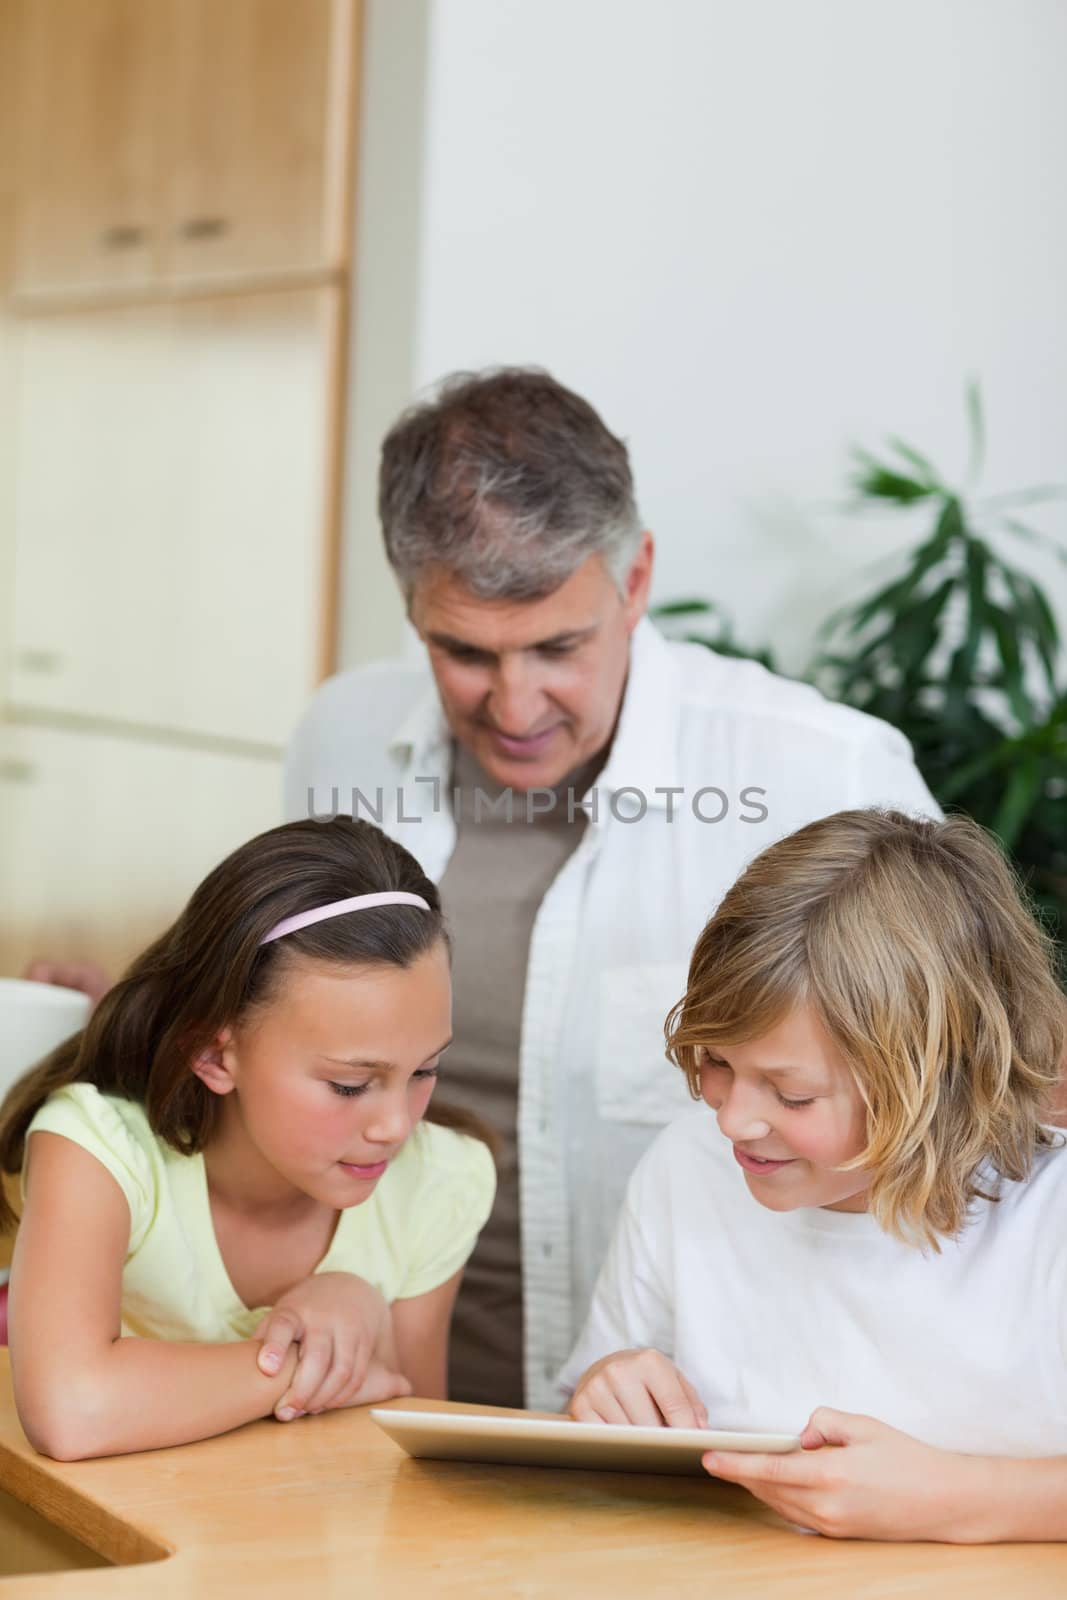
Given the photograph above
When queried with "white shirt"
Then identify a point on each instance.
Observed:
(611, 942)
(771, 1314)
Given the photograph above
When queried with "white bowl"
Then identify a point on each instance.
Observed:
(34, 1018)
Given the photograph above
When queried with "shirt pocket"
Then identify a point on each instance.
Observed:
(634, 1080)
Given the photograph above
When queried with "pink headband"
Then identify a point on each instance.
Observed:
(359, 902)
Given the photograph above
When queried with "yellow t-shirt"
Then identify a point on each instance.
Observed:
(417, 1228)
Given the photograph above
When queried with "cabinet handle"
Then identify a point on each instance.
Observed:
(123, 236)
(16, 772)
(40, 661)
(204, 228)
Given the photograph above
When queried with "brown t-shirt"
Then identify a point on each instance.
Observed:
(498, 875)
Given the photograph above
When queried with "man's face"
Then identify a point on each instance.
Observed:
(532, 688)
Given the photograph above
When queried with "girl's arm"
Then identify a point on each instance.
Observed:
(344, 1332)
(420, 1329)
(352, 1343)
(80, 1388)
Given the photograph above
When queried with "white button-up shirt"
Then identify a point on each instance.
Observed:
(712, 760)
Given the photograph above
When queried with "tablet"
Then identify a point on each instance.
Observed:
(538, 1441)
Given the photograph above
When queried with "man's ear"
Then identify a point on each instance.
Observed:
(639, 581)
(215, 1063)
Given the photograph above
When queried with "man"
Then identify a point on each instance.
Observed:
(584, 792)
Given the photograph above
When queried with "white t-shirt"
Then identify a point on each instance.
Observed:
(771, 1314)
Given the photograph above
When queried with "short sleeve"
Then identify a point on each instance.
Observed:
(631, 1306)
(106, 1127)
(449, 1207)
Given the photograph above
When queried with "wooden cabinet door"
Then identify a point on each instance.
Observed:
(248, 515)
(93, 541)
(259, 137)
(103, 839)
(88, 149)
(170, 516)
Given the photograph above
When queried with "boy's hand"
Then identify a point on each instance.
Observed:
(640, 1387)
(344, 1331)
(856, 1478)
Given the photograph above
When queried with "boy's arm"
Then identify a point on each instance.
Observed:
(80, 1388)
(1018, 1500)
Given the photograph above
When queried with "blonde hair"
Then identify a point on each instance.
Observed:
(911, 941)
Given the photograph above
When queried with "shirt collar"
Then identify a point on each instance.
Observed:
(644, 751)
(423, 737)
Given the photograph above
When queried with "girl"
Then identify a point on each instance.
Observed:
(873, 1018)
(239, 1128)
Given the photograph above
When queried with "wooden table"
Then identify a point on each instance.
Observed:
(330, 1507)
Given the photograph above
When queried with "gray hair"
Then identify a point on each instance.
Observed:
(509, 481)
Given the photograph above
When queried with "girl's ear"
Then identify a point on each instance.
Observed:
(214, 1065)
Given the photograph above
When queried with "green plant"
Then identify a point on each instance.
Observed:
(960, 650)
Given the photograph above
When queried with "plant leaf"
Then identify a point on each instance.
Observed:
(917, 459)
(976, 422)
(875, 481)
(962, 664)
(1040, 494)
(683, 608)
(1035, 616)
(1013, 681)
(1023, 530)
(1017, 802)
(896, 594)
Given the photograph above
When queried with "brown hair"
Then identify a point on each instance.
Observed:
(911, 941)
(210, 968)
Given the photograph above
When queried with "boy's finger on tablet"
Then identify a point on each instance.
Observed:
(599, 1402)
(700, 1410)
(640, 1404)
(675, 1399)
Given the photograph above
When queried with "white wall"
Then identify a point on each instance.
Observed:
(751, 231)
(382, 364)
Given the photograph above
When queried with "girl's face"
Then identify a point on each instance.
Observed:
(330, 1076)
(791, 1109)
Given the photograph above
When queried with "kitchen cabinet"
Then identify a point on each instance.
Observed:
(174, 288)
(104, 838)
(260, 127)
(167, 143)
(173, 538)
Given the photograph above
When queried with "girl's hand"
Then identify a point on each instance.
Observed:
(344, 1330)
(856, 1478)
(639, 1387)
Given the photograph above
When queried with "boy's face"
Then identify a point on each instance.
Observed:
(791, 1109)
